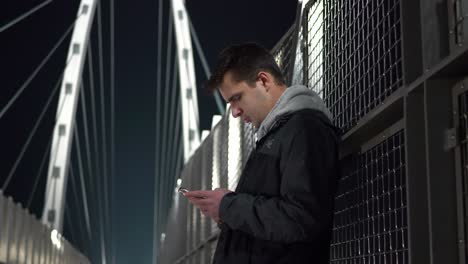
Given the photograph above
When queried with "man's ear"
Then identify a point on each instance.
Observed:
(264, 78)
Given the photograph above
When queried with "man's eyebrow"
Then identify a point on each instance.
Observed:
(232, 96)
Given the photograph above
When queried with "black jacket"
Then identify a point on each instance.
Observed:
(282, 209)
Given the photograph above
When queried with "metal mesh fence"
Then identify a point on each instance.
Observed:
(463, 123)
(248, 141)
(371, 223)
(234, 151)
(223, 148)
(283, 52)
(352, 55)
(217, 163)
(24, 239)
(206, 167)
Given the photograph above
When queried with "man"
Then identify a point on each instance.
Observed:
(282, 208)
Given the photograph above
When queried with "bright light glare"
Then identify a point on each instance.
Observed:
(55, 238)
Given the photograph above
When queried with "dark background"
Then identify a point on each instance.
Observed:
(23, 47)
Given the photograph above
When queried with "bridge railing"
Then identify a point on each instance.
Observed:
(24, 239)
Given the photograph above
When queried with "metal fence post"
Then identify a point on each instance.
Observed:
(416, 172)
(440, 172)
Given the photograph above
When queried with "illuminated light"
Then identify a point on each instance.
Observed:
(215, 120)
(55, 238)
(205, 134)
(315, 69)
(215, 176)
(234, 152)
(179, 182)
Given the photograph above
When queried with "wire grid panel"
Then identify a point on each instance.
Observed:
(196, 183)
(206, 168)
(371, 224)
(248, 142)
(352, 55)
(283, 52)
(25, 239)
(216, 157)
(210, 225)
(16, 241)
(235, 151)
(224, 150)
(463, 178)
(25, 231)
(3, 228)
(219, 168)
(187, 244)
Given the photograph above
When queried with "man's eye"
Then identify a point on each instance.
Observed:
(236, 98)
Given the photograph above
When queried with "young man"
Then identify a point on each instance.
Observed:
(282, 208)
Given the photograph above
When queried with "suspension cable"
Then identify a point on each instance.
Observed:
(103, 131)
(82, 181)
(77, 203)
(166, 98)
(38, 175)
(170, 127)
(157, 149)
(87, 144)
(178, 145)
(206, 68)
(178, 111)
(95, 136)
(112, 126)
(34, 130)
(38, 68)
(158, 87)
(25, 15)
(70, 223)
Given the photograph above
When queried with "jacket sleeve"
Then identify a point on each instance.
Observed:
(304, 208)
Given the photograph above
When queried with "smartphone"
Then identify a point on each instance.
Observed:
(183, 190)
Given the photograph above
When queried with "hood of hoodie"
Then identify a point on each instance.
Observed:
(294, 98)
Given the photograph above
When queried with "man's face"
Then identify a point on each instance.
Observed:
(250, 103)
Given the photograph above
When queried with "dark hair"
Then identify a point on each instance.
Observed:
(244, 61)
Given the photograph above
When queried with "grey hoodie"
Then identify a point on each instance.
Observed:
(295, 98)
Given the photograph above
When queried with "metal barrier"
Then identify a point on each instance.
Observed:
(398, 87)
(283, 52)
(371, 219)
(352, 55)
(24, 239)
(217, 163)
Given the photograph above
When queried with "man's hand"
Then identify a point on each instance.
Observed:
(207, 201)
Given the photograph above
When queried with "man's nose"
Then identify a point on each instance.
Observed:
(236, 112)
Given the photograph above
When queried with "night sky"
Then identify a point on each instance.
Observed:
(23, 46)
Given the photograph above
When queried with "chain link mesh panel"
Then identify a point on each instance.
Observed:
(352, 55)
(187, 181)
(196, 175)
(283, 52)
(224, 150)
(207, 166)
(24, 239)
(371, 224)
(235, 140)
(217, 163)
(248, 141)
